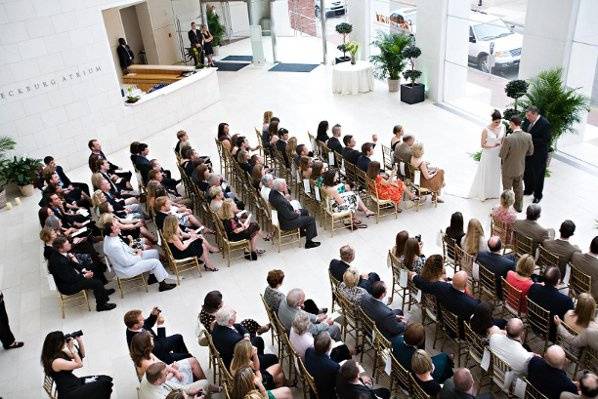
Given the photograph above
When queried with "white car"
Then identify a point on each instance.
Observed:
(492, 44)
(331, 7)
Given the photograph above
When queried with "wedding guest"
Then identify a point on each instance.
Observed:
(207, 316)
(266, 120)
(223, 136)
(400, 240)
(334, 142)
(474, 240)
(432, 177)
(461, 386)
(238, 229)
(186, 245)
(66, 182)
(530, 227)
(272, 295)
(295, 304)
(305, 168)
(349, 153)
(433, 269)
(496, 262)
(322, 133)
(581, 319)
(246, 386)
(6, 337)
(483, 323)
(317, 173)
(245, 355)
(521, 279)
(397, 134)
(561, 246)
(404, 151)
(367, 151)
(387, 189)
(342, 198)
(182, 140)
(588, 264)
(422, 367)
(455, 228)
(588, 387)
(349, 289)
(412, 258)
(351, 385)
(510, 346)
(548, 374)
(504, 212)
(319, 364)
(208, 50)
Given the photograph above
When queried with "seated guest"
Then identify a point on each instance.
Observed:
(404, 151)
(141, 350)
(200, 177)
(322, 132)
(588, 387)
(455, 228)
(412, 258)
(243, 160)
(547, 374)
(397, 134)
(322, 368)
(474, 241)
(71, 278)
(207, 316)
(433, 269)
(561, 246)
(305, 168)
(301, 151)
(182, 140)
(96, 153)
(338, 267)
(64, 180)
(272, 295)
(530, 228)
(118, 185)
(60, 356)
(350, 385)
(294, 304)
(218, 181)
(129, 205)
(270, 135)
(350, 154)
(400, 241)
(66, 213)
(80, 242)
(267, 119)
(267, 184)
(504, 212)
(288, 217)
(342, 198)
(217, 200)
(414, 338)
(281, 146)
(388, 189)
(160, 379)
(299, 336)
(238, 229)
(389, 321)
(348, 287)
(317, 173)
(482, 321)
(461, 386)
(227, 333)
(245, 355)
(422, 368)
(549, 297)
(588, 264)
(156, 173)
(245, 385)
(185, 245)
(498, 264)
(432, 177)
(139, 152)
(128, 262)
(521, 279)
(582, 320)
(367, 151)
(334, 142)
(510, 346)
(223, 135)
(133, 226)
(164, 207)
(168, 349)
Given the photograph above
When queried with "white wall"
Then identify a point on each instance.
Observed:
(58, 85)
(133, 37)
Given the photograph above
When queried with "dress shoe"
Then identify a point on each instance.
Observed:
(323, 310)
(110, 291)
(311, 244)
(528, 193)
(151, 279)
(537, 200)
(164, 286)
(105, 306)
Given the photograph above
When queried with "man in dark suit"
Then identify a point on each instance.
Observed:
(350, 385)
(227, 333)
(321, 366)
(338, 267)
(71, 278)
(349, 153)
(196, 40)
(290, 219)
(281, 145)
(389, 321)
(548, 374)
(66, 182)
(549, 297)
(96, 153)
(535, 165)
(588, 264)
(168, 349)
(495, 262)
(333, 142)
(125, 55)
(139, 153)
(367, 150)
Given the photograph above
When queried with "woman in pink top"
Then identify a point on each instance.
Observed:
(521, 279)
(504, 213)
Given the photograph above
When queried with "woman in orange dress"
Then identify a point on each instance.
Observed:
(388, 189)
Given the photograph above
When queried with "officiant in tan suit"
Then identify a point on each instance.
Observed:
(515, 147)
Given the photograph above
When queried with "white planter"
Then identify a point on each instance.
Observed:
(393, 85)
(27, 191)
(216, 50)
(3, 197)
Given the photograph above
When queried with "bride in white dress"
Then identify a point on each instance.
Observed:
(487, 181)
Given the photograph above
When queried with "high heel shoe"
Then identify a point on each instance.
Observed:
(210, 269)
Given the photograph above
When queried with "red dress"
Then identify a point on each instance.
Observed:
(522, 285)
(390, 191)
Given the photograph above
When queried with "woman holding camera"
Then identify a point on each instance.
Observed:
(60, 356)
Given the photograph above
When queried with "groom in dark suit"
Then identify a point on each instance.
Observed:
(535, 164)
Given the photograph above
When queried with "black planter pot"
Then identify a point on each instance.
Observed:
(338, 60)
(413, 94)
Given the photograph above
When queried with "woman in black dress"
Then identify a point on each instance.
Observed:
(185, 245)
(422, 367)
(60, 357)
(238, 229)
(455, 229)
(207, 44)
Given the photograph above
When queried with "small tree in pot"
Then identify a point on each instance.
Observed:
(344, 29)
(412, 92)
(390, 62)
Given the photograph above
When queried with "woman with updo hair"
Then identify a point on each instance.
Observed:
(342, 198)
(521, 278)
(432, 177)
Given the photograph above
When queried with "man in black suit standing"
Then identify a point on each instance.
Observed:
(338, 267)
(125, 55)
(535, 165)
(290, 219)
(196, 40)
(389, 321)
(71, 278)
(495, 262)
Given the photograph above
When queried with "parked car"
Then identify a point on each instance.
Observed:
(492, 44)
(331, 7)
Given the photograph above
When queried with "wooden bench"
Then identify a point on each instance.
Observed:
(146, 76)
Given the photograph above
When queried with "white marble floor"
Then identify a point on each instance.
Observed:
(300, 100)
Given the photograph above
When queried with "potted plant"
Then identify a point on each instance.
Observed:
(22, 171)
(412, 93)
(6, 144)
(344, 29)
(215, 28)
(564, 107)
(352, 48)
(131, 98)
(390, 62)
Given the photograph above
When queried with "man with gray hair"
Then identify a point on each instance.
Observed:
(267, 184)
(460, 386)
(496, 262)
(227, 333)
(547, 374)
(535, 165)
(289, 218)
(338, 267)
(288, 310)
(510, 346)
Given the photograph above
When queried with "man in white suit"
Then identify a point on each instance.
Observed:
(128, 262)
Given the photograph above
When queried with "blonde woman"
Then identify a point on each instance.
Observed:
(422, 367)
(474, 241)
(245, 355)
(185, 245)
(238, 229)
(521, 278)
(266, 122)
(246, 385)
(133, 227)
(505, 212)
(207, 44)
(348, 287)
(581, 320)
(432, 177)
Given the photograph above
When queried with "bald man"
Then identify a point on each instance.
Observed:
(452, 297)
(509, 346)
(548, 375)
(588, 388)
(497, 263)
(460, 386)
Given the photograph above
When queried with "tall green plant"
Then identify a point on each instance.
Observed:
(6, 144)
(215, 27)
(390, 62)
(562, 106)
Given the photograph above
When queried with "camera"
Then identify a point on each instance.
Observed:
(73, 335)
(418, 238)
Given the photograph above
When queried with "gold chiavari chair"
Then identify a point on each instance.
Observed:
(50, 387)
(522, 244)
(502, 230)
(383, 350)
(334, 283)
(501, 373)
(350, 319)
(590, 359)
(574, 354)
(399, 273)
(465, 262)
(546, 259)
(531, 392)
(475, 349)
(579, 282)
(400, 378)
(336, 220)
(382, 207)
(448, 252)
(430, 314)
(514, 302)
(538, 321)
(228, 246)
(451, 326)
(414, 177)
(283, 237)
(367, 325)
(178, 265)
(487, 284)
(309, 384)
(270, 314)
(417, 392)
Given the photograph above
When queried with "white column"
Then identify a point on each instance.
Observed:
(359, 15)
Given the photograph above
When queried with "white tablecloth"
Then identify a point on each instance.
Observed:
(352, 79)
